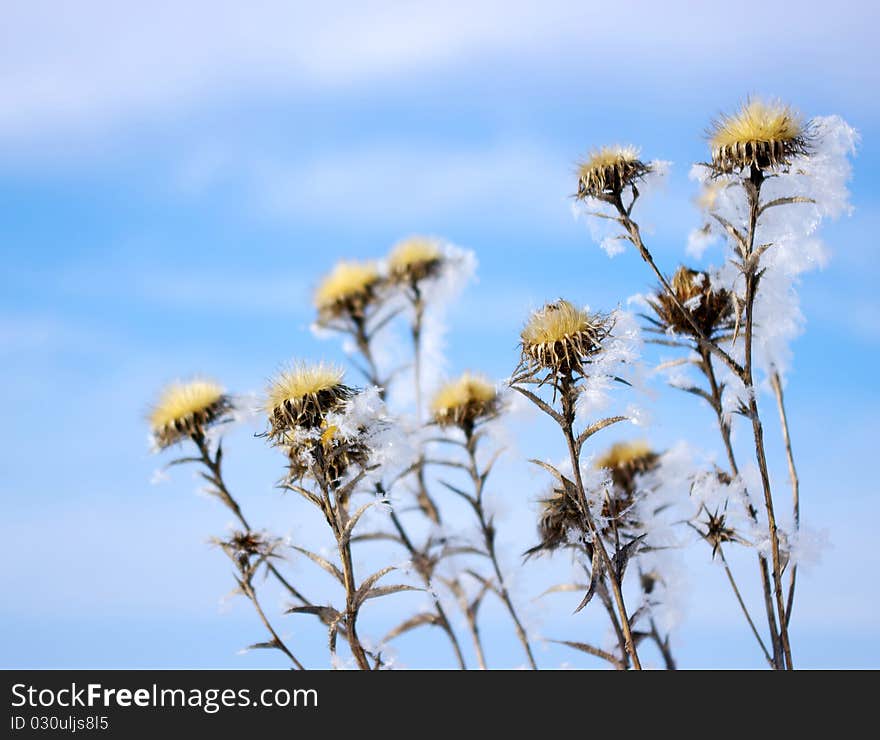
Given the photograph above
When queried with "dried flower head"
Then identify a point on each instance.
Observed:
(242, 546)
(561, 337)
(607, 171)
(711, 309)
(559, 516)
(187, 410)
(331, 452)
(465, 401)
(717, 532)
(301, 396)
(414, 259)
(626, 460)
(760, 134)
(348, 290)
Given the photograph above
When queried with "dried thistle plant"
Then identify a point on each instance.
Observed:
(606, 514)
(466, 404)
(310, 417)
(188, 411)
(618, 525)
(559, 343)
(748, 147)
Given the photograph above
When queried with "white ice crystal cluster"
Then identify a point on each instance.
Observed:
(818, 181)
(619, 359)
(601, 216)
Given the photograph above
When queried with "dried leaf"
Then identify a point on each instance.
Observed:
(323, 562)
(540, 403)
(597, 570)
(368, 583)
(419, 620)
(375, 593)
(325, 613)
(597, 427)
(351, 523)
(590, 650)
(263, 645)
(562, 588)
(622, 556)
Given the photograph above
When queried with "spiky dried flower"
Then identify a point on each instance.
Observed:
(415, 259)
(608, 170)
(300, 396)
(717, 532)
(762, 134)
(348, 290)
(559, 516)
(187, 409)
(332, 452)
(562, 338)
(241, 546)
(710, 308)
(465, 401)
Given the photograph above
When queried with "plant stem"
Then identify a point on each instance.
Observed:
(214, 466)
(776, 383)
(724, 429)
(743, 372)
(742, 605)
(488, 530)
(444, 622)
(351, 607)
(753, 190)
(567, 392)
(278, 642)
(364, 346)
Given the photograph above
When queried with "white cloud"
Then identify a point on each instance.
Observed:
(87, 66)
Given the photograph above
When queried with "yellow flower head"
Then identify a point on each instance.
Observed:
(463, 401)
(348, 289)
(414, 259)
(301, 395)
(560, 337)
(187, 409)
(765, 135)
(607, 171)
(626, 460)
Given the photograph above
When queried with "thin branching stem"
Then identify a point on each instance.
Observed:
(213, 463)
(753, 189)
(716, 391)
(364, 344)
(567, 393)
(248, 590)
(776, 383)
(487, 529)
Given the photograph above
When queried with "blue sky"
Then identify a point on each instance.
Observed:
(174, 181)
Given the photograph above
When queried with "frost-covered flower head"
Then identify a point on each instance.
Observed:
(608, 170)
(347, 291)
(766, 135)
(187, 409)
(465, 401)
(710, 308)
(560, 517)
(562, 338)
(415, 259)
(300, 397)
